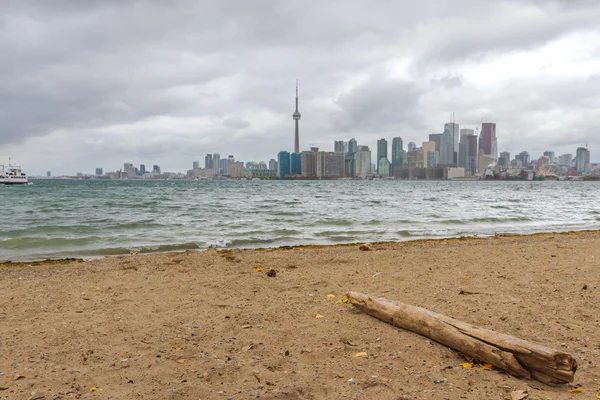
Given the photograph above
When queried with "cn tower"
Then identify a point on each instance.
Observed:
(296, 117)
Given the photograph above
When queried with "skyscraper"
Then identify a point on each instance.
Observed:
(208, 161)
(156, 169)
(437, 138)
(296, 164)
(397, 153)
(412, 146)
(196, 164)
(216, 162)
(283, 161)
(488, 139)
(454, 130)
(273, 164)
(463, 147)
(296, 117)
(99, 171)
(352, 146)
(447, 148)
(362, 161)
(472, 151)
(582, 160)
(428, 147)
(338, 146)
(142, 169)
(382, 151)
(309, 163)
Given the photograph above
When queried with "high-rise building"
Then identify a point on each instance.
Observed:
(382, 151)
(397, 153)
(565, 159)
(296, 164)
(208, 161)
(155, 169)
(471, 165)
(437, 138)
(433, 159)
(296, 117)
(524, 157)
(362, 161)
(463, 147)
(504, 159)
(454, 130)
(447, 149)
(352, 146)
(99, 171)
(428, 147)
(412, 146)
(415, 158)
(383, 166)
(273, 164)
(260, 165)
(142, 169)
(129, 169)
(582, 160)
(230, 161)
(216, 162)
(309, 164)
(284, 163)
(196, 165)
(330, 164)
(338, 146)
(236, 169)
(224, 167)
(488, 139)
(48, 174)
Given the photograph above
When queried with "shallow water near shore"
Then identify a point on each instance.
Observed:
(55, 219)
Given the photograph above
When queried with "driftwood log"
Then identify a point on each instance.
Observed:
(513, 355)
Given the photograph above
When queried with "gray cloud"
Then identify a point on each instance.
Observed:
(103, 82)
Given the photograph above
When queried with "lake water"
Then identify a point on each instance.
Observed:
(54, 218)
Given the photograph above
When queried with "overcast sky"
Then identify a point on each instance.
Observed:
(97, 83)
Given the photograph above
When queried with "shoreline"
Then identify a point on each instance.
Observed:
(290, 247)
(215, 324)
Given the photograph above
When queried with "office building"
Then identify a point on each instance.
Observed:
(142, 169)
(129, 169)
(196, 164)
(236, 169)
(412, 146)
(99, 171)
(48, 174)
(384, 167)
(156, 169)
(565, 159)
(338, 146)
(504, 159)
(415, 158)
(488, 140)
(296, 164)
(447, 149)
(454, 130)
(362, 162)
(283, 161)
(352, 146)
(428, 147)
(216, 162)
(309, 163)
(382, 151)
(208, 161)
(471, 165)
(273, 164)
(582, 160)
(397, 153)
(330, 164)
(225, 167)
(437, 138)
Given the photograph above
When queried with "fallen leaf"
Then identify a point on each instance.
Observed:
(246, 326)
(598, 395)
(361, 354)
(258, 269)
(343, 300)
(181, 360)
(93, 389)
(331, 296)
(17, 377)
(518, 395)
(319, 316)
(178, 348)
(486, 367)
(466, 365)
(576, 390)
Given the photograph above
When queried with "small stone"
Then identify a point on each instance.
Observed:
(584, 287)
(365, 247)
(272, 273)
(351, 381)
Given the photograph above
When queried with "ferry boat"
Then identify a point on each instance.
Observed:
(12, 175)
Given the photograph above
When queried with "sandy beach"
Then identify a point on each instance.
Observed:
(214, 325)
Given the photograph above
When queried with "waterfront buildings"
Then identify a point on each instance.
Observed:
(582, 160)
(412, 146)
(338, 146)
(296, 164)
(447, 148)
(488, 141)
(454, 130)
(428, 147)
(382, 151)
(283, 161)
(196, 164)
(398, 156)
(362, 162)
(99, 171)
(330, 164)
(384, 167)
(273, 164)
(208, 161)
(352, 146)
(437, 138)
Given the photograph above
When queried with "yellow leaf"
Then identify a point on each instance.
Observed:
(598, 395)
(258, 269)
(178, 348)
(181, 360)
(319, 316)
(576, 390)
(93, 389)
(331, 296)
(466, 365)
(361, 354)
(487, 367)
(343, 300)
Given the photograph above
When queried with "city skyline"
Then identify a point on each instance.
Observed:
(200, 77)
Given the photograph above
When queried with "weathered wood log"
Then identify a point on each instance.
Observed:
(516, 356)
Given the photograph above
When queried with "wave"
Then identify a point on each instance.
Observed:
(335, 222)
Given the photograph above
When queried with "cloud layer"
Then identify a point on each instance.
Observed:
(99, 83)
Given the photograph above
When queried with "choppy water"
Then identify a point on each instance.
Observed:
(52, 219)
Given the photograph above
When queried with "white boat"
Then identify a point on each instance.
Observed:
(12, 175)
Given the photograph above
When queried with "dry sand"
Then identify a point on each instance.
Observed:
(208, 325)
